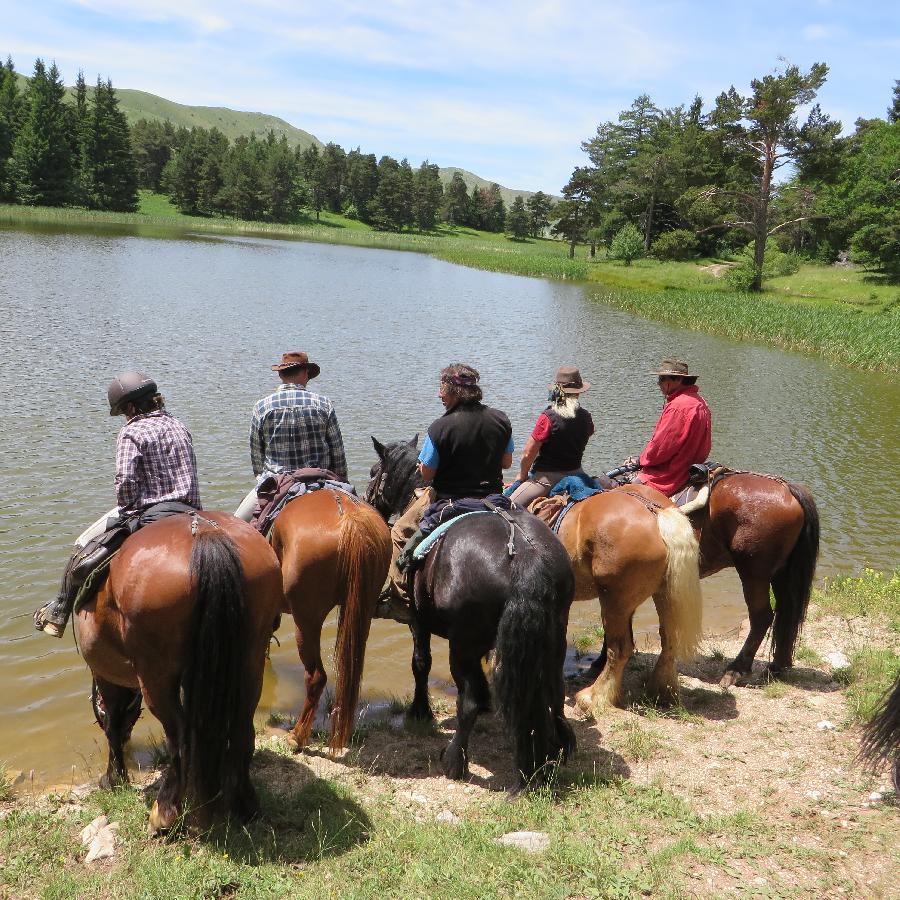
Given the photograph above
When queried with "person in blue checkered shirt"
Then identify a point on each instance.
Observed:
(293, 428)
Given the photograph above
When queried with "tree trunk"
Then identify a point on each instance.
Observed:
(649, 226)
(572, 250)
(761, 216)
(593, 249)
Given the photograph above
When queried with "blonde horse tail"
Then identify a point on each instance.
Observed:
(682, 581)
(364, 552)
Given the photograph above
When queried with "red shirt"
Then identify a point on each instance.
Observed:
(683, 436)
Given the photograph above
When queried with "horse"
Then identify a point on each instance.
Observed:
(182, 621)
(881, 736)
(767, 528)
(491, 583)
(334, 550)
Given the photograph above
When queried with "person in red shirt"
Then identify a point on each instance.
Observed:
(683, 434)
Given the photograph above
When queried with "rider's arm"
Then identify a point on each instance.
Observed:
(257, 444)
(529, 455)
(670, 433)
(128, 459)
(335, 442)
(428, 460)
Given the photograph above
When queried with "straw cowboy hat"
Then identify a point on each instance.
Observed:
(569, 379)
(294, 361)
(671, 365)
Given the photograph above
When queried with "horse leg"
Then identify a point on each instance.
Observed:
(117, 709)
(309, 637)
(663, 684)
(565, 735)
(756, 595)
(421, 666)
(607, 688)
(473, 695)
(166, 706)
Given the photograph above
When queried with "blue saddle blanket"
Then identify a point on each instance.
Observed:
(422, 550)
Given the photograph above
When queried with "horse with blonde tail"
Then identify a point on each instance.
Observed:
(334, 550)
(625, 546)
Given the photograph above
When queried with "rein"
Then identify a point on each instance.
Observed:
(196, 519)
(650, 504)
(513, 525)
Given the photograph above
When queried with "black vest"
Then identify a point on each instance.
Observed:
(470, 440)
(563, 449)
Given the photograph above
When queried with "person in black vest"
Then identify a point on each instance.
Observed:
(557, 442)
(464, 455)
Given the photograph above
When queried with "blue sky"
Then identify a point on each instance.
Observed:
(507, 90)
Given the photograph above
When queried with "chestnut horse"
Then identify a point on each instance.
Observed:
(626, 546)
(334, 551)
(183, 620)
(767, 528)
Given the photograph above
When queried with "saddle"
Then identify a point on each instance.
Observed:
(695, 494)
(276, 491)
(563, 496)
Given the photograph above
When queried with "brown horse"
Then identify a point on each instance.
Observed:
(183, 620)
(625, 549)
(768, 530)
(334, 551)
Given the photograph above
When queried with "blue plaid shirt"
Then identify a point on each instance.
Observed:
(296, 429)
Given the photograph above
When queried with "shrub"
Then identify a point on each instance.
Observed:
(775, 264)
(627, 244)
(676, 244)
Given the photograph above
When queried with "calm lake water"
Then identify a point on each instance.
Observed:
(207, 316)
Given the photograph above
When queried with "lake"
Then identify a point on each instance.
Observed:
(208, 316)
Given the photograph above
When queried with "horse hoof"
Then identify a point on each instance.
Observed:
(420, 714)
(730, 678)
(158, 822)
(453, 764)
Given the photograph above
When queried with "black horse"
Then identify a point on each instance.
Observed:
(480, 596)
(881, 737)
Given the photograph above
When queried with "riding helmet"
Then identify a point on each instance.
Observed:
(126, 388)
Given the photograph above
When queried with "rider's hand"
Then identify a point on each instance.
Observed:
(631, 461)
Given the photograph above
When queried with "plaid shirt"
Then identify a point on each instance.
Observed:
(155, 462)
(296, 429)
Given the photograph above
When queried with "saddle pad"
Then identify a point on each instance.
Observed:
(93, 582)
(422, 550)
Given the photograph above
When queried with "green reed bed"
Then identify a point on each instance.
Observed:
(850, 336)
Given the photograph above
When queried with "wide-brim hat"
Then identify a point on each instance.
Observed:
(569, 379)
(671, 365)
(294, 361)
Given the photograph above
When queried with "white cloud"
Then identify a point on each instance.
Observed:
(819, 32)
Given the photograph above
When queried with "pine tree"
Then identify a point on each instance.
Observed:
(893, 113)
(81, 128)
(428, 191)
(517, 220)
(539, 206)
(458, 209)
(152, 145)
(42, 159)
(361, 183)
(10, 103)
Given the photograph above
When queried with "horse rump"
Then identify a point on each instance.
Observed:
(530, 652)
(216, 740)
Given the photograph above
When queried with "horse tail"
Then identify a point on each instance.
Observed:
(529, 649)
(881, 736)
(792, 585)
(682, 581)
(214, 740)
(363, 556)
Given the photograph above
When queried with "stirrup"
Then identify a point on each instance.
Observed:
(44, 622)
(391, 607)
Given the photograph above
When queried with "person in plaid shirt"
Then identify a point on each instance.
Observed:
(293, 428)
(156, 476)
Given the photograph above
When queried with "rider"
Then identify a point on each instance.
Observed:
(683, 434)
(156, 475)
(556, 445)
(293, 428)
(464, 455)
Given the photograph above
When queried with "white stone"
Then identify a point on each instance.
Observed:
(447, 816)
(529, 841)
(814, 795)
(875, 797)
(89, 832)
(100, 839)
(837, 660)
(825, 725)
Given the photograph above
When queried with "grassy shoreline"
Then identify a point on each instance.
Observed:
(737, 791)
(837, 314)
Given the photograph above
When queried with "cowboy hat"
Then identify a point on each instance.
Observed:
(295, 361)
(569, 379)
(671, 365)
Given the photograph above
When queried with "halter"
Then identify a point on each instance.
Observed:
(384, 500)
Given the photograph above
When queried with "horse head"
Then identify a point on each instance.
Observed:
(395, 476)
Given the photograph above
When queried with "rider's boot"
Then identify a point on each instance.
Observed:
(395, 601)
(53, 617)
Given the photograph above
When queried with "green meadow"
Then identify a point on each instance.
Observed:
(843, 315)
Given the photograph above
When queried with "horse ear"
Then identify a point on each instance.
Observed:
(379, 447)
(415, 441)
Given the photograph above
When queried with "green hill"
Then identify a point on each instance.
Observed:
(471, 180)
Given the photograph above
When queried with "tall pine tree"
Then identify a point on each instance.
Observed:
(9, 121)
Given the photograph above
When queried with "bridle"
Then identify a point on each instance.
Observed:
(387, 493)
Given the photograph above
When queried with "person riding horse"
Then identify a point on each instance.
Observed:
(293, 428)
(156, 476)
(683, 434)
(556, 445)
(464, 455)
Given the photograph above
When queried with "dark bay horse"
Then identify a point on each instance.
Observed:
(767, 528)
(472, 591)
(626, 546)
(183, 620)
(334, 551)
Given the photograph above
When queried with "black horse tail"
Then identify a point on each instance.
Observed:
(881, 737)
(792, 585)
(528, 673)
(214, 742)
